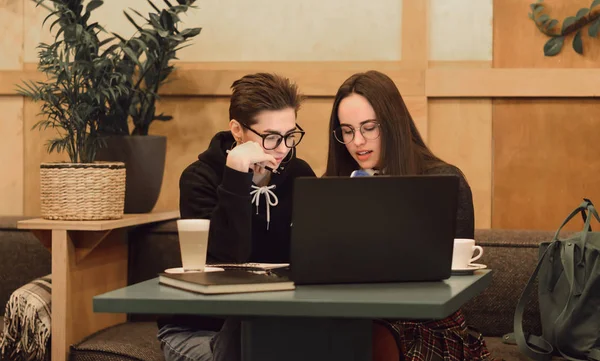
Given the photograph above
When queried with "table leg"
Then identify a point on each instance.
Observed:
(300, 339)
(84, 264)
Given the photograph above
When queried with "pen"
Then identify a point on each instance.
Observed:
(274, 171)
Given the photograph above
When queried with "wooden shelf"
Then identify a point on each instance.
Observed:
(128, 220)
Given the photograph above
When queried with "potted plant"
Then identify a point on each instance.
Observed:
(81, 83)
(146, 63)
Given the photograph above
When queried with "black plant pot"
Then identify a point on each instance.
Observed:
(144, 158)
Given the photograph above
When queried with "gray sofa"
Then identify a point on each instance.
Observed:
(511, 254)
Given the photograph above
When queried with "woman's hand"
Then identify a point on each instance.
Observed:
(248, 155)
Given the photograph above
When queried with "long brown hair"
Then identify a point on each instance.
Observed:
(403, 151)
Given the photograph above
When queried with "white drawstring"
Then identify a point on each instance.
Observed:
(270, 197)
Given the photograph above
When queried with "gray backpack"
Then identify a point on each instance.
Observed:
(569, 295)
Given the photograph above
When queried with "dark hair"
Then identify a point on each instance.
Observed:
(254, 93)
(403, 151)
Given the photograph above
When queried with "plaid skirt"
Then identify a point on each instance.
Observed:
(442, 340)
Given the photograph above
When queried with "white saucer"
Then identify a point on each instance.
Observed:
(470, 269)
(206, 269)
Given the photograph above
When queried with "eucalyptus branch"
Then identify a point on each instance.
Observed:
(571, 25)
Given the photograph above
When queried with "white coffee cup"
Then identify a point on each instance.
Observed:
(193, 243)
(462, 255)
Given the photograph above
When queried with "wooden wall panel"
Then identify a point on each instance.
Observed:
(460, 132)
(545, 161)
(11, 156)
(195, 121)
(415, 33)
(11, 34)
(11, 120)
(417, 106)
(543, 156)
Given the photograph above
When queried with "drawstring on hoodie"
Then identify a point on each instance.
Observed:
(270, 198)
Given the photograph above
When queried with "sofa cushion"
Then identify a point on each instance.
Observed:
(131, 341)
(512, 255)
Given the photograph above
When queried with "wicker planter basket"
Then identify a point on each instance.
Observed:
(82, 191)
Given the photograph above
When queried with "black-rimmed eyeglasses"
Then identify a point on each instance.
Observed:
(273, 140)
(370, 130)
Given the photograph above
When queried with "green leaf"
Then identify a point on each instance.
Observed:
(190, 33)
(138, 14)
(538, 9)
(132, 55)
(578, 43)
(582, 12)
(544, 18)
(551, 24)
(49, 16)
(106, 41)
(154, 6)
(568, 22)
(132, 21)
(553, 46)
(594, 28)
(595, 3)
(94, 4)
(150, 38)
(155, 21)
(122, 39)
(167, 21)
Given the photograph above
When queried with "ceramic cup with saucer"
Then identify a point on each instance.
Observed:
(469, 270)
(462, 255)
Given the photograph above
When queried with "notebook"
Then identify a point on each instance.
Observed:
(251, 266)
(228, 281)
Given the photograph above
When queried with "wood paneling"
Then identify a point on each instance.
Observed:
(545, 160)
(11, 38)
(442, 80)
(460, 132)
(519, 44)
(195, 81)
(9, 79)
(468, 82)
(11, 156)
(11, 121)
(417, 106)
(195, 121)
(415, 33)
(470, 64)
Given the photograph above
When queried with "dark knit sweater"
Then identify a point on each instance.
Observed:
(465, 218)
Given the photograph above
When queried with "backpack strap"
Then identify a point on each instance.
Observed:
(535, 347)
(594, 355)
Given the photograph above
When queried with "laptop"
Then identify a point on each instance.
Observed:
(373, 229)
